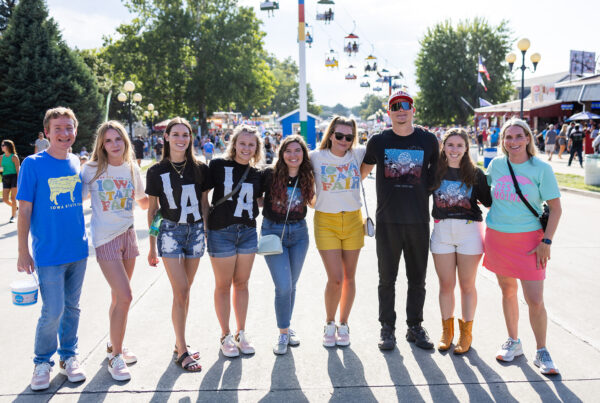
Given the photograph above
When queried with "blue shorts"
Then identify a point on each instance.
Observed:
(180, 240)
(236, 239)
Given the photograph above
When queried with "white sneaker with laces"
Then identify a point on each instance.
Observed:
(544, 362)
(329, 334)
(343, 335)
(41, 376)
(72, 370)
(510, 349)
(128, 356)
(243, 343)
(294, 340)
(228, 347)
(282, 344)
(118, 369)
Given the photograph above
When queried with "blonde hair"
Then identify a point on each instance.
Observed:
(99, 157)
(337, 120)
(58, 112)
(231, 151)
(531, 151)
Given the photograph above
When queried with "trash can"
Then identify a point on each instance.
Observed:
(474, 153)
(591, 174)
(488, 155)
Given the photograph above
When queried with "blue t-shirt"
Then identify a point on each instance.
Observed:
(54, 188)
(537, 183)
(208, 148)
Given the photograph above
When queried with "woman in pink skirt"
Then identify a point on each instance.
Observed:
(516, 247)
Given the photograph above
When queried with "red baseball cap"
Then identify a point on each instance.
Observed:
(399, 95)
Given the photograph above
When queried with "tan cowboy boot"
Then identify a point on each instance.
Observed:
(465, 338)
(447, 334)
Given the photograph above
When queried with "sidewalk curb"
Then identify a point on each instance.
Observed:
(580, 192)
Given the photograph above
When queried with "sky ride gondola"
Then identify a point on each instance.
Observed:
(377, 89)
(351, 44)
(269, 7)
(324, 11)
(331, 59)
(350, 76)
(365, 84)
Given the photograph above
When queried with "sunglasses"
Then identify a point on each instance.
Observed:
(340, 136)
(404, 105)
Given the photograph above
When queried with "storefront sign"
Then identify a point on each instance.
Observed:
(566, 107)
(595, 105)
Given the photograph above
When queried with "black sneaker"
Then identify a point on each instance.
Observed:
(418, 335)
(387, 340)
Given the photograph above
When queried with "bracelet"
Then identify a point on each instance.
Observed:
(547, 241)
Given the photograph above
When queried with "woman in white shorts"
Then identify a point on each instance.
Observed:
(457, 238)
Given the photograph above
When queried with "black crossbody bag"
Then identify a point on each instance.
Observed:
(228, 195)
(545, 214)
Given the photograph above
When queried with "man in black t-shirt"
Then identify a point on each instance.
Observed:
(406, 158)
(576, 137)
(138, 148)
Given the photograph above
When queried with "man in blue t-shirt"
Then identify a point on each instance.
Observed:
(208, 150)
(49, 195)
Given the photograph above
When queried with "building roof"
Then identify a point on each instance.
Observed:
(549, 79)
(287, 115)
(515, 106)
(595, 79)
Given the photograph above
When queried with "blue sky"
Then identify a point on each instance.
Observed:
(391, 29)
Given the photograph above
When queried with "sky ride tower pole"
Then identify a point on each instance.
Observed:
(302, 74)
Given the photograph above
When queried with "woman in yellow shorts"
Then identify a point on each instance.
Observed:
(339, 230)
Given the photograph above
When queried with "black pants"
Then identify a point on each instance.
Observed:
(392, 240)
(576, 149)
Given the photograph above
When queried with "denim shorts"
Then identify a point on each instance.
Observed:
(177, 240)
(236, 239)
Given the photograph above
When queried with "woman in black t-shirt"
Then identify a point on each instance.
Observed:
(457, 238)
(176, 185)
(288, 186)
(232, 240)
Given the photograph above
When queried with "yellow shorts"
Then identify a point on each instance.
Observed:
(342, 230)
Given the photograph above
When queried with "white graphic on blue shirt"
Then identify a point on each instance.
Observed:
(453, 196)
(403, 165)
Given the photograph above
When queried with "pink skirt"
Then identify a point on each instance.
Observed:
(506, 254)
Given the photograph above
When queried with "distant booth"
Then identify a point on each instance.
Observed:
(290, 124)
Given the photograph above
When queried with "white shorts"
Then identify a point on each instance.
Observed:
(460, 236)
(549, 148)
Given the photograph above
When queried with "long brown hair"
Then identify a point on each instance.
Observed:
(99, 157)
(11, 146)
(306, 176)
(467, 169)
(189, 151)
(337, 120)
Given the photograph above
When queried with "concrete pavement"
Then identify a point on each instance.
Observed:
(310, 372)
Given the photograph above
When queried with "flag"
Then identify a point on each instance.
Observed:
(482, 68)
(483, 102)
(480, 81)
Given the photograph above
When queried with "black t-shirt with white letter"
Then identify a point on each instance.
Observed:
(242, 207)
(179, 198)
(405, 170)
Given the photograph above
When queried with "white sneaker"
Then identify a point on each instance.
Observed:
(544, 362)
(128, 356)
(118, 369)
(294, 340)
(245, 346)
(228, 347)
(281, 346)
(329, 334)
(72, 370)
(510, 349)
(343, 335)
(41, 376)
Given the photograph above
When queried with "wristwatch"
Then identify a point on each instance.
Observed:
(547, 241)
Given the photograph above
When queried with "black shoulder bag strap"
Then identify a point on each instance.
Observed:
(235, 189)
(514, 178)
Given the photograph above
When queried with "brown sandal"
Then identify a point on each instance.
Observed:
(192, 366)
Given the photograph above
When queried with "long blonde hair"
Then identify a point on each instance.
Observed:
(231, 151)
(531, 151)
(99, 157)
(337, 120)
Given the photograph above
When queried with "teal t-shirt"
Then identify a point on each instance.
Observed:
(538, 184)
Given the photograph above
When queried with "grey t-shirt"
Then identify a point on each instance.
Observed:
(551, 137)
(42, 144)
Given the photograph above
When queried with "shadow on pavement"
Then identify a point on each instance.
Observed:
(97, 388)
(540, 384)
(405, 388)
(224, 382)
(347, 376)
(436, 380)
(165, 384)
(284, 382)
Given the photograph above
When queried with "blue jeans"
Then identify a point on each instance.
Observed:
(60, 287)
(236, 239)
(285, 268)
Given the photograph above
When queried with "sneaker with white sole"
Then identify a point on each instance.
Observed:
(329, 334)
(128, 356)
(282, 344)
(510, 349)
(118, 369)
(41, 376)
(72, 370)
(343, 335)
(544, 362)
(243, 343)
(294, 340)
(228, 347)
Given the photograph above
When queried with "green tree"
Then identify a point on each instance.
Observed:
(38, 72)
(447, 69)
(193, 57)
(6, 9)
(370, 104)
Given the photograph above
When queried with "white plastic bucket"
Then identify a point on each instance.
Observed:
(592, 170)
(488, 155)
(474, 153)
(24, 292)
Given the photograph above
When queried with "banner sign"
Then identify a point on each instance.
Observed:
(582, 62)
(566, 107)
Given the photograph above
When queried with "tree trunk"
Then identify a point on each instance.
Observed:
(202, 117)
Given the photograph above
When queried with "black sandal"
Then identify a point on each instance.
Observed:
(195, 354)
(189, 365)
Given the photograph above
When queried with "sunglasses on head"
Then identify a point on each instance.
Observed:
(340, 136)
(404, 105)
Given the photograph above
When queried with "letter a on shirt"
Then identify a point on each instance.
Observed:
(245, 200)
(228, 181)
(189, 203)
(166, 180)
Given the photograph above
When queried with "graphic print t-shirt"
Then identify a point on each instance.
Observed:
(537, 183)
(179, 198)
(242, 207)
(405, 170)
(113, 196)
(337, 180)
(54, 188)
(454, 199)
(275, 210)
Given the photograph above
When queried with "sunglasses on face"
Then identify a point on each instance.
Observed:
(404, 105)
(339, 136)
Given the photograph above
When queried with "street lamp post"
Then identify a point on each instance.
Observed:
(255, 115)
(129, 98)
(511, 58)
(150, 115)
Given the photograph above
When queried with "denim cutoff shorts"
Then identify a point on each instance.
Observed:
(177, 240)
(236, 239)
